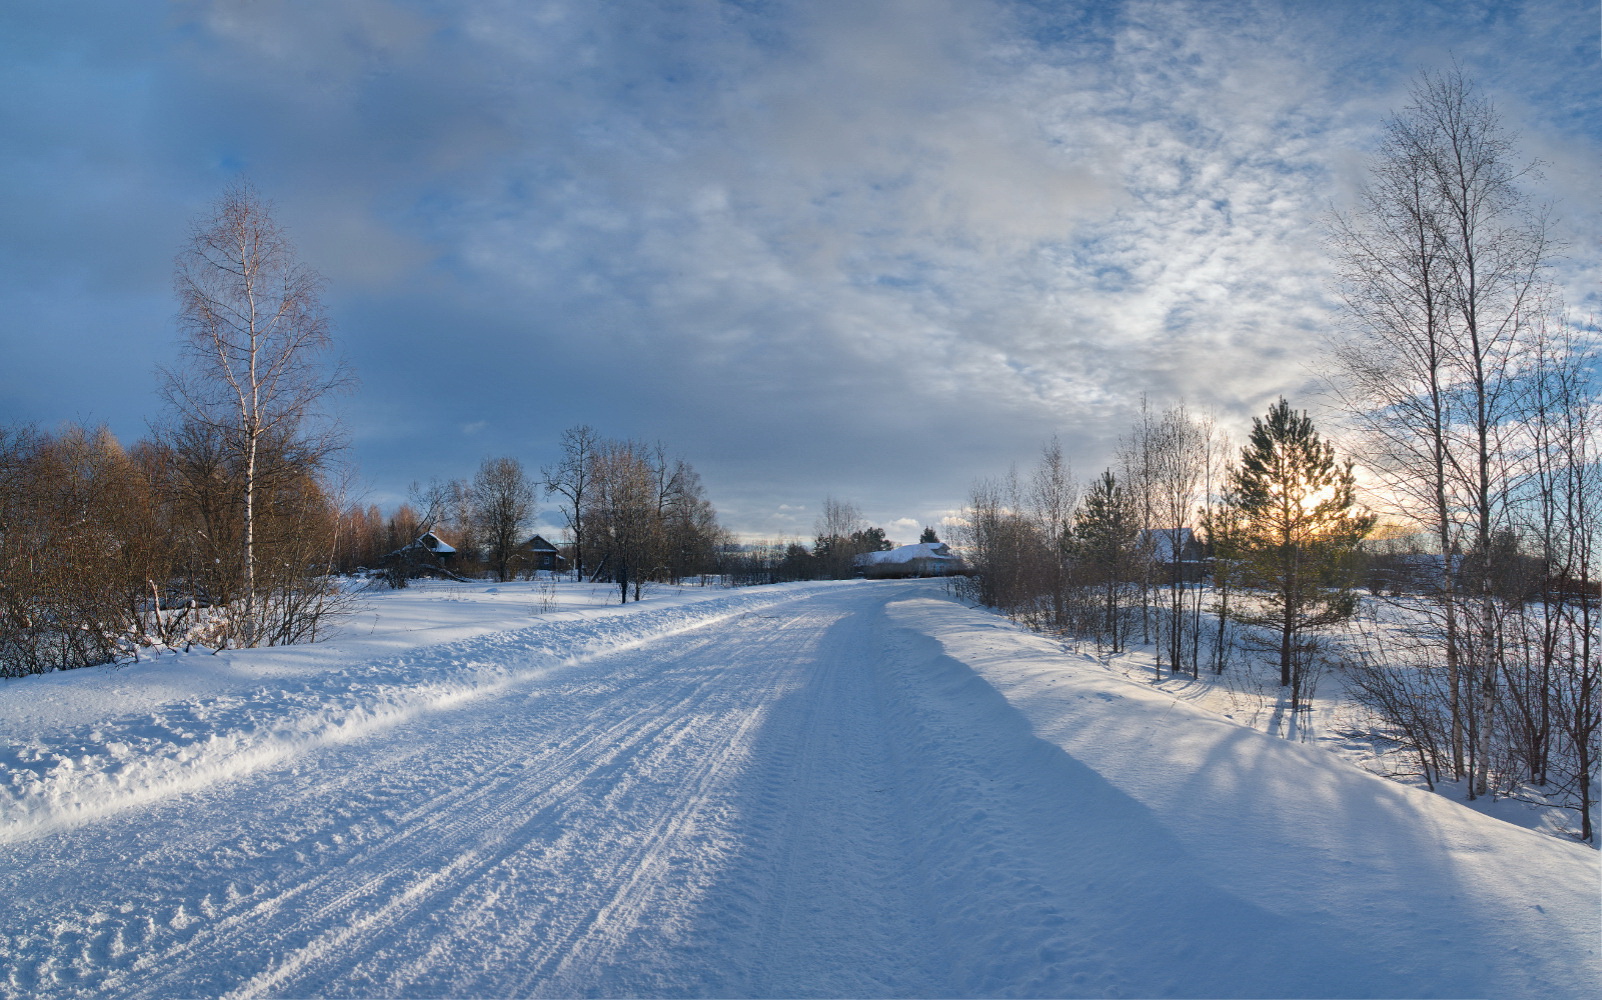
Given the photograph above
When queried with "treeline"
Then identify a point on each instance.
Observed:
(105, 549)
(1177, 542)
(842, 534)
(633, 515)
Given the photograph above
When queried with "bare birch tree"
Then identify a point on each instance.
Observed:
(1137, 459)
(1053, 495)
(1443, 267)
(253, 354)
(1178, 447)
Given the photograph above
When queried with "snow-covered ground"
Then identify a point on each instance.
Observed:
(1248, 692)
(856, 789)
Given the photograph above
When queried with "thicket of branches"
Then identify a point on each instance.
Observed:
(1477, 399)
(104, 550)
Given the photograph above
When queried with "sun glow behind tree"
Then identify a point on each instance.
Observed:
(1294, 527)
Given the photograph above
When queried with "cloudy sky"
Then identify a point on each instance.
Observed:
(871, 250)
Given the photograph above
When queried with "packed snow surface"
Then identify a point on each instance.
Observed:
(860, 789)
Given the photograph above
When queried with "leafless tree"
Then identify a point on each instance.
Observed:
(690, 532)
(621, 514)
(500, 503)
(1214, 470)
(1137, 458)
(571, 479)
(1052, 497)
(253, 357)
(1554, 706)
(840, 529)
(1177, 447)
(1444, 267)
(1005, 549)
(428, 508)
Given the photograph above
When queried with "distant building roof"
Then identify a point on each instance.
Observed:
(434, 544)
(1160, 542)
(929, 556)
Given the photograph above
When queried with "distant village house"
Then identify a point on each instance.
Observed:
(543, 556)
(922, 559)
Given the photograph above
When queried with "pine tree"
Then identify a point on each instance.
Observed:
(1297, 530)
(1105, 527)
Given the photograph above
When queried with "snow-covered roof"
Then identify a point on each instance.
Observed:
(906, 554)
(1160, 542)
(434, 543)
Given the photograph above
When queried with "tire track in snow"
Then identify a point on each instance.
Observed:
(501, 817)
(684, 745)
(52, 780)
(836, 905)
(635, 738)
(512, 819)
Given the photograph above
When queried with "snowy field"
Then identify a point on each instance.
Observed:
(836, 789)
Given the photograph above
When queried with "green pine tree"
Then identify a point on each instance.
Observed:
(1296, 527)
(1105, 527)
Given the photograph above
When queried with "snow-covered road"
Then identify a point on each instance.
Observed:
(864, 790)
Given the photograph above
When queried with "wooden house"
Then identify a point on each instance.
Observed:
(543, 556)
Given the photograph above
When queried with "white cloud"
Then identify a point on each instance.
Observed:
(904, 530)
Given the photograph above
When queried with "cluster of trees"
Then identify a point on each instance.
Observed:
(842, 535)
(1476, 396)
(222, 526)
(486, 520)
(634, 514)
(105, 549)
(1277, 531)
